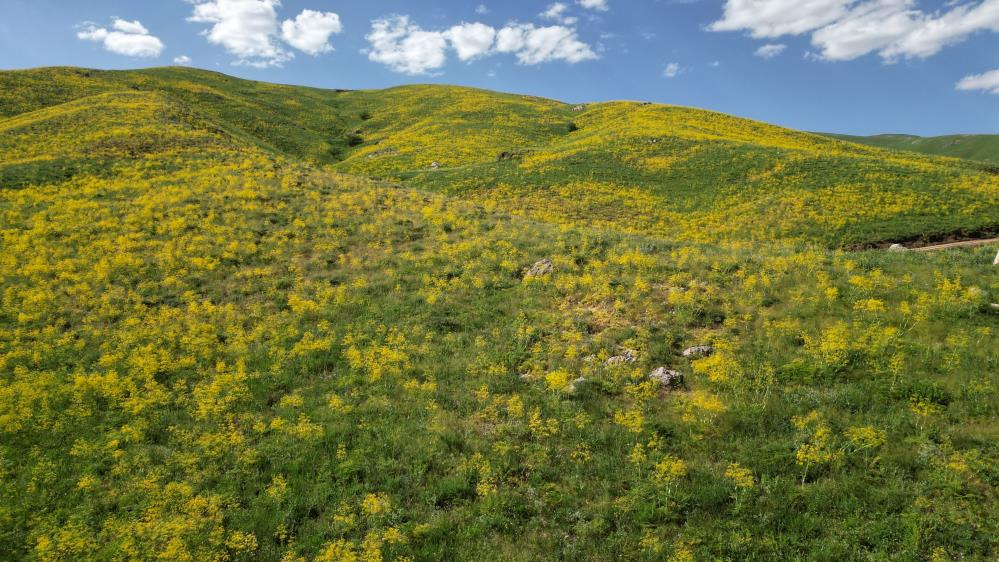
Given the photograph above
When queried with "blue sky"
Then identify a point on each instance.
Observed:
(848, 66)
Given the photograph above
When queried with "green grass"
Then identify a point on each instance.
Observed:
(983, 148)
(215, 345)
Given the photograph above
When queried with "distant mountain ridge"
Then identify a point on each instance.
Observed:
(983, 148)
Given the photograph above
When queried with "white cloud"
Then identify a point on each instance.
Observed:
(672, 70)
(557, 13)
(773, 18)
(182, 60)
(131, 27)
(848, 29)
(246, 29)
(535, 45)
(471, 40)
(250, 30)
(987, 82)
(310, 32)
(407, 48)
(770, 51)
(600, 5)
(129, 38)
(482, 9)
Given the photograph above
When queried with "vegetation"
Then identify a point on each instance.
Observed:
(216, 345)
(984, 148)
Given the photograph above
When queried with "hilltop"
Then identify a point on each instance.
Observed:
(983, 148)
(244, 321)
(688, 173)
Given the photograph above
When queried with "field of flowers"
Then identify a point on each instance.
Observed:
(212, 347)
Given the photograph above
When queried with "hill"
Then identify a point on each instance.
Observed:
(689, 173)
(217, 345)
(983, 148)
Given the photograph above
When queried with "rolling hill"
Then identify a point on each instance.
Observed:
(692, 174)
(245, 321)
(983, 148)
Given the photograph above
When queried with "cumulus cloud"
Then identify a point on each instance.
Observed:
(987, 82)
(848, 29)
(310, 32)
(600, 5)
(672, 70)
(182, 60)
(557, 13)
(407, 48)
(535, 45)
(770, 51)
(250, 30)
(471, 40)
(129, 38)
(774, 18)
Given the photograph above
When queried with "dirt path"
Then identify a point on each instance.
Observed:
(962, 244)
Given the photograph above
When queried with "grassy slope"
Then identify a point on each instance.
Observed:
(984, 148)
(212, 350)
(690, 173)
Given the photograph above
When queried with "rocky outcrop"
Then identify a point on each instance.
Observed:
(628, 356)
(540, 269)
(698, 351)
(667, 378)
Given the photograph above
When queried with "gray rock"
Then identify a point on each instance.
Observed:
(667, 377)
(383, 152)
(997, 260)
(579, 108)
(897, 248)
(504, 156)
(435, 165)
(628, 356)
(540, 269)
(698, 351)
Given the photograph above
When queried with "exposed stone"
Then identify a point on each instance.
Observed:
(504, 156)
(435, 165)
(897, 248)
(996, 262)
(698, 351)
(628, 356)
(589, 359)
(579, 108)
(576, 383)
(540, 269)
(667, 377)
(382, 152)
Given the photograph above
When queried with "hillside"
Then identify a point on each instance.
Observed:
(983, 148)
(689, 173)
(215, 344)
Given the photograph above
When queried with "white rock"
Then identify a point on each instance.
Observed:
(628, 356)
(667, 377)
(698, 351)
(540, 269)
(897, 248)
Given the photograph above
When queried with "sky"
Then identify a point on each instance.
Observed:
(925, 67)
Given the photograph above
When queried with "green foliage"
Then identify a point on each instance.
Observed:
(984, 148)
(213, 347)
